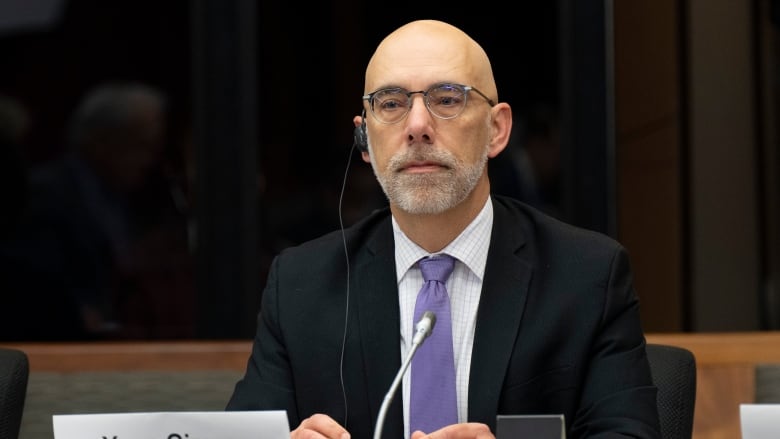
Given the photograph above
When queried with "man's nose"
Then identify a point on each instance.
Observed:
(417, 104)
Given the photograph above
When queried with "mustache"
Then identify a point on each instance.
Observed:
(402, 160)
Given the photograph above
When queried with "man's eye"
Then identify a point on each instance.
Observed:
(391, 104)
(447, 101)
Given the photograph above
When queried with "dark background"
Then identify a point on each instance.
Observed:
(288, 56)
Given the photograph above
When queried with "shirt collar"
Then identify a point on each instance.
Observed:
(470, 247)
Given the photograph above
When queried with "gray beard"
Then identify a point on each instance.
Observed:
(429, 194)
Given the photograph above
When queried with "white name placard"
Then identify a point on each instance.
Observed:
(174, 425)
(760, 421)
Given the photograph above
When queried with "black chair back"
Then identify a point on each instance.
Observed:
(14, 373)
(674, 373)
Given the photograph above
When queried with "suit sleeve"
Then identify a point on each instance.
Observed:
(618, 397)
(267, 383)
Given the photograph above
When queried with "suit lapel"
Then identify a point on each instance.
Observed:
(504, 291)
(379, 323)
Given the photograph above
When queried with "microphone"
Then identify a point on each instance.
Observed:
(422, 330)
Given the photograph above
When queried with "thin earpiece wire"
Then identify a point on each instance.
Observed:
(346, 307)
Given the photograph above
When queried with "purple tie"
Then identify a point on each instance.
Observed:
(433, 398)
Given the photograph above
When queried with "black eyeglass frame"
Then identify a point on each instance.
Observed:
(466, 89)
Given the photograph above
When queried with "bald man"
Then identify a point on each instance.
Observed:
(545, 319)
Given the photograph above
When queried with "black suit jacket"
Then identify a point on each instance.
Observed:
(558, 331)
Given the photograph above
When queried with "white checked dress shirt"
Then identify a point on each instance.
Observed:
(464, 285)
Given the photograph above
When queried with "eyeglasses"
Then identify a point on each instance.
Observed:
(445, 101)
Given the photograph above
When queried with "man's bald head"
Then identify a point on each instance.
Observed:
(430, 49)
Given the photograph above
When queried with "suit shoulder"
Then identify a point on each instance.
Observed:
(353, 236)
(541, 227)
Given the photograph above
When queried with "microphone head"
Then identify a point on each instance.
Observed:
(424, 327)
(430, 315)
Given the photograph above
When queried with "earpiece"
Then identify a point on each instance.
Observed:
(360, 136)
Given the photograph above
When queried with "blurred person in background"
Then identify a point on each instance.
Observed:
(100, 229)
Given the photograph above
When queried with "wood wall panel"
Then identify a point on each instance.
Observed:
(136, 356)
(647, 156)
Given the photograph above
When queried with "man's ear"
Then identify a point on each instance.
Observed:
(501, 128)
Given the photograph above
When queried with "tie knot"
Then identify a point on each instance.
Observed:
(437, 267)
